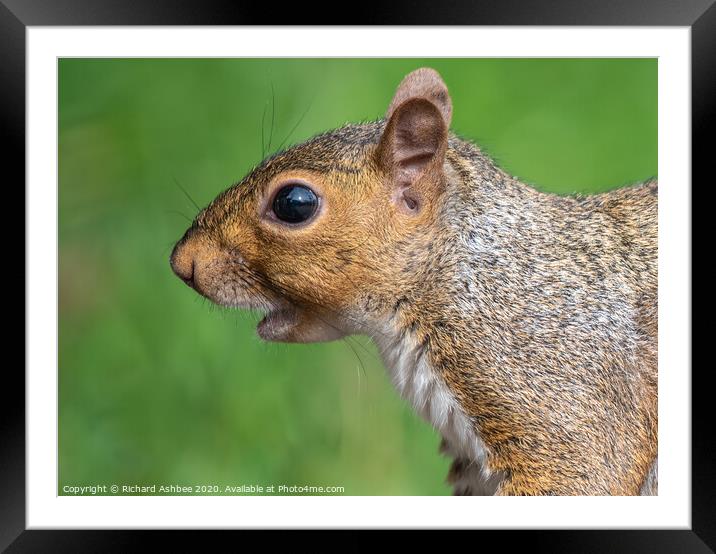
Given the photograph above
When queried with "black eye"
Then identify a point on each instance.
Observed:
(295, 203)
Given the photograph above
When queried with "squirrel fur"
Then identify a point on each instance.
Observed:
(522, 325)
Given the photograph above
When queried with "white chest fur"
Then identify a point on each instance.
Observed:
(419, 384)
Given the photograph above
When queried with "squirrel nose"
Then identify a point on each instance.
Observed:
(182, 261)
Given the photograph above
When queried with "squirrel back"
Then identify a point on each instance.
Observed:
(521, 324)
(557, 298)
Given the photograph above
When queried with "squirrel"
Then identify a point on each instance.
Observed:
(521, 324)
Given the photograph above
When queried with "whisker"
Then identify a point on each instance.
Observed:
(176, 182)
(263, 123)
(360, 363)
(273, 114)
(177, 212)
(300, 119)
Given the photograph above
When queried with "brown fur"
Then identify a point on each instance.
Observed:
(537, 311)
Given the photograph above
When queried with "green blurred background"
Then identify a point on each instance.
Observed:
(159, 387)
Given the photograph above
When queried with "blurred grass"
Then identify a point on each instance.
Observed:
(156, 386)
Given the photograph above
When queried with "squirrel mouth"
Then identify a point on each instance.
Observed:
(277, 323)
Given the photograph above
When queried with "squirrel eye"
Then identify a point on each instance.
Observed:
(295, 203)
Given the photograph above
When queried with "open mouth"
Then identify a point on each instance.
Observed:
(276, 324)
(285, 321)
(280, 316)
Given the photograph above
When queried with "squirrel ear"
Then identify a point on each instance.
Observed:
(423, 83)
(412, 148)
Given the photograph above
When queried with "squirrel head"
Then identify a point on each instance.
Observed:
(319, 235)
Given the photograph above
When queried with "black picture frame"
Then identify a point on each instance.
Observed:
(16, 15)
